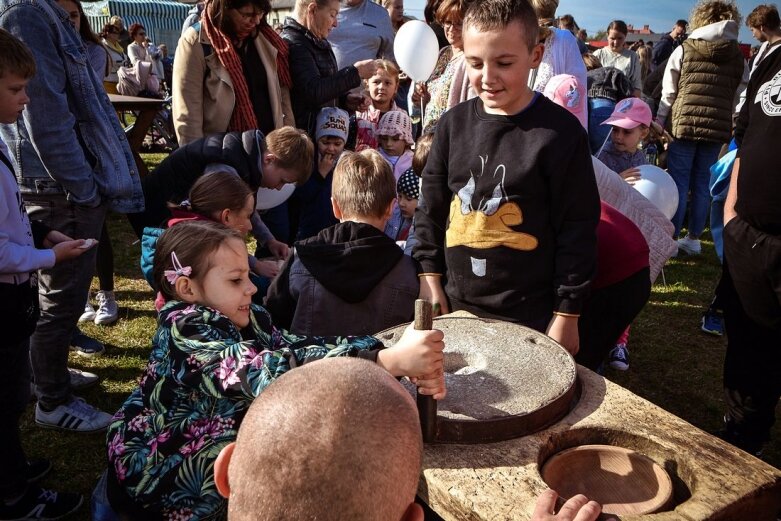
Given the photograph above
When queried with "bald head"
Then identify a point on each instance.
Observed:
(334, 439)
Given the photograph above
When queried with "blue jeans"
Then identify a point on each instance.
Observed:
(688, 163)
(599, 109)
(63, 291)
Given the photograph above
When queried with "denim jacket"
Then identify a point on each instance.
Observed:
(68, 139)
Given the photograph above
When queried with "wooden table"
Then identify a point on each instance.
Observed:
(712, 480)
(146, 108)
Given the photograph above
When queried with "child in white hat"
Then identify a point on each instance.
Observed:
(394, 134)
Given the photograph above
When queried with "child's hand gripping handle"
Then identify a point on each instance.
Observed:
(427, 405)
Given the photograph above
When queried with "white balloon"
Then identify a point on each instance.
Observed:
(657, 186)
(416, 49)
(268, 198)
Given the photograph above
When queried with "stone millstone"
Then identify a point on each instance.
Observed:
(503, 380)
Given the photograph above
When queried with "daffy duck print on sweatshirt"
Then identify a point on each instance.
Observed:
(509, 210)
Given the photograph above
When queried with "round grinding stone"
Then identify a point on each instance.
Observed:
(503, 380)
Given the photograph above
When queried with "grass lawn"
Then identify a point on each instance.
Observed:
(673, 364)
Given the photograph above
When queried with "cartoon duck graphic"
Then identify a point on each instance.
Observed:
(488, 225)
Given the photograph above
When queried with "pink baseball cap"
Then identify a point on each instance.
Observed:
(630, 113)
(566, 91)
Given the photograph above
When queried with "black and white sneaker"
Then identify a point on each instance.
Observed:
(40, 504)
(74, 416)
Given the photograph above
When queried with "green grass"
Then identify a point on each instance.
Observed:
(673, 364)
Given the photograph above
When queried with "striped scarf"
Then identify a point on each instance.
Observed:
(243, 117)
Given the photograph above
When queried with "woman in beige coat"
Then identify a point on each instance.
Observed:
(231, 73)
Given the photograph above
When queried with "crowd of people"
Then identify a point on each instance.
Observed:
(502, 186)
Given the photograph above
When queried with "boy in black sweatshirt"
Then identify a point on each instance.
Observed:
(510, 206)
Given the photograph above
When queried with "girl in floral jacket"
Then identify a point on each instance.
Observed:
(213, 353)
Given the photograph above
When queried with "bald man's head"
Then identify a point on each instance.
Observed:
(334, 439)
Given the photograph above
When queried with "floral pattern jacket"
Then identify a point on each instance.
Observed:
(201, 378)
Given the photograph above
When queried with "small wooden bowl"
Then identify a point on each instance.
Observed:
(621, 480)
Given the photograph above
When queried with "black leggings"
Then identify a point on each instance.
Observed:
(607, 313)
(105, 261)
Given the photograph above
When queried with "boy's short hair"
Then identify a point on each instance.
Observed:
(293, 150)
(363, 184)
(490, 15)
(707, 12)
(422, 148)
(16, 58)
(764, 15)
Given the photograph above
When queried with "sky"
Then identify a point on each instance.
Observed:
(595, 15)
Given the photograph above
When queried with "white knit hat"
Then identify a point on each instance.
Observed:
(396, 123)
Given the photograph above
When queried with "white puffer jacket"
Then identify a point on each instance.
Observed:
(655, 227)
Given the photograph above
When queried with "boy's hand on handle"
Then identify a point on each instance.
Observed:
(67, 250)
(432, 385)
(564, 330)
(431, 290)
(418, 355)
(577, 508)
(366, 68)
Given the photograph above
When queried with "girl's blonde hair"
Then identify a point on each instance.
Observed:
(193, 243)
(644, 56)
(707, 12)
(389, 67)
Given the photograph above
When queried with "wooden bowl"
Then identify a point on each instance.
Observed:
(621, 480)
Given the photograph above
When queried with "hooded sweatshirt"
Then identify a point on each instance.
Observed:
(705, 75)
(350, 277)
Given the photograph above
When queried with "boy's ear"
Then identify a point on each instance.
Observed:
(536, 53)
(221, 470)
(335, 207)
(185, 290)
(268, 157)
(389, 210)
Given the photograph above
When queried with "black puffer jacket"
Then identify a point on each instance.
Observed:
(317, 82)
(173, 178)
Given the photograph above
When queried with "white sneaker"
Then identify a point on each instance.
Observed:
(107, 312)
(689, 246)
(89, 313)
(81, 379)
(74, 416)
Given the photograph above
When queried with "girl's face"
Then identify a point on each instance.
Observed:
(330, 145)
(407, 206)
(396, 11)
(226, 287)
(321, 20)
(392, 145)
(73, 12)
(382, 89)
(616, 40)
(239, 220)
(627, 140)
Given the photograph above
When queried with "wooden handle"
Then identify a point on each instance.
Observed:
(427, 405)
